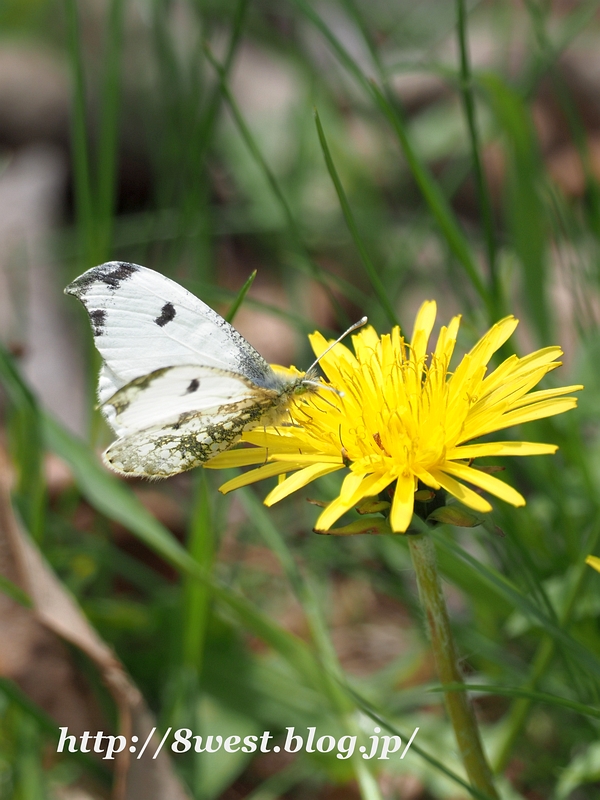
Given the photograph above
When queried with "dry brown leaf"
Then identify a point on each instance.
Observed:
(56, 614)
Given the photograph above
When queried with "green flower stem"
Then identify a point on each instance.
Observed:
(459, 708)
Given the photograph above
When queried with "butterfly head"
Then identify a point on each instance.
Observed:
(294, 383)
(312, 382)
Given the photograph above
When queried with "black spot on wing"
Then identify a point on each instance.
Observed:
(98, 318)
(113, 273)
(167, 314)
(116, 274)
(193, 387)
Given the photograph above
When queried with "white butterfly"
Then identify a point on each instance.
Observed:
(178, 384)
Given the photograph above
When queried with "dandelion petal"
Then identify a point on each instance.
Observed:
(485, 481)
(298, 480)
(403, 504)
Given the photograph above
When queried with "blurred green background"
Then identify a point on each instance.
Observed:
(362, 157)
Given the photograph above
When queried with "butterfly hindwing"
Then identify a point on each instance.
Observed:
(170, 392)
(186, 442)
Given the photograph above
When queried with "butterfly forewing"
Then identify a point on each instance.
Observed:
(143, 321)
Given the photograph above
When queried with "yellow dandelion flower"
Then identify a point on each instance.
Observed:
(403, 417)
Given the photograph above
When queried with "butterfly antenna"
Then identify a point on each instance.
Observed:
(356, 325)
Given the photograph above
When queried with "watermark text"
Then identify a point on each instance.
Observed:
(183, 740)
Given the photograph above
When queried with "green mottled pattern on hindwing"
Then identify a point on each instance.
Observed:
(187, 443)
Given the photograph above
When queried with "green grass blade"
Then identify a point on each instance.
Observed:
(29, 777)
(524, 208)
(113, 499)
(518, 600)
(513, 722)
(528, 694)
(195, 601)
(346, 60)
(572, 26)
(218, 295)
(25, 436)
(279, 784)
(109, 130)
(313, 269)
(359, 20)
(81, 158)
(437, 203)
(302, 589)
(332, 672)
(50, 728)
(539, 17)
(376, 283)
(15, 592)
(190, 107)
(483, 194)
(196, 595)
(378, 718)
(211, 114)
(235, 306)
(434, 198)
(133, 231)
